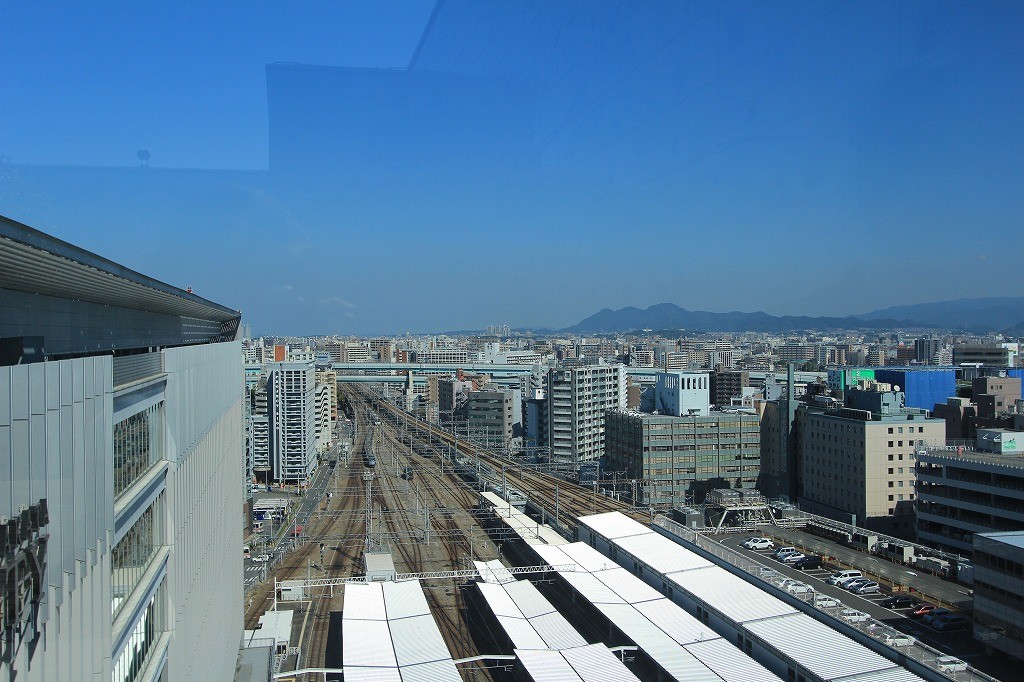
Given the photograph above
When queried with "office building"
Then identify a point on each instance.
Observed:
(995, 395)
(292, 415)
(682, 458)
(795, 352)
(682, 394)
(993, 355)
(964, 491)
(857, 461)
(452, 396)
(578, 398)
(122, 447)
(494, 415)
(998, 560)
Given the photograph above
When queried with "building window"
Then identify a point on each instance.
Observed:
(131, 556)
(136, 652)
(137, 446)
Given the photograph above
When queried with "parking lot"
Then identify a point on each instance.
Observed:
(867, 611)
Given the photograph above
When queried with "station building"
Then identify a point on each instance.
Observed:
(122, 460)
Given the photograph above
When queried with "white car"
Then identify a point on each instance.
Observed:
(894, 638)
(854, 616)
(823, 601)
(799, 588)
(759, 543)
(950, 664)
(262, 558)
(792, 558)
(868, 588)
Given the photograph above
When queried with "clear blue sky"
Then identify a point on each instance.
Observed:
(538, 162)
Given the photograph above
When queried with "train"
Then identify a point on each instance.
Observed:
(369, 458)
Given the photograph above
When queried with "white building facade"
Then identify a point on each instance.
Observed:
(122, 462)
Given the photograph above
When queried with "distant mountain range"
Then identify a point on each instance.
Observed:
(977, 314)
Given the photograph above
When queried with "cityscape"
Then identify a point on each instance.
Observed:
(537, 342)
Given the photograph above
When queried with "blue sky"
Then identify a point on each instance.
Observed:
(538, 162)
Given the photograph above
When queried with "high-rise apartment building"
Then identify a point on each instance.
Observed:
(682, 458)
(578, 398)
(122, 457)
(728, 385)
(926, 350)
(292, 416)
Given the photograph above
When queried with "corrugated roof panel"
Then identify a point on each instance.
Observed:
(438, 671)
(894, 674)
(354, 674)
(404, 599)
(499, 601)
(556, 631)
(661, 554)
(522, 633)
(587, 557)
(614, 525)
(417, 640)
(364, 601)
(658, 646)
(595, 663)
(729, 662)
(553, 556)
(367, 643)
(546, 666)
(678, 624)
(591, 588)
(493, 571)
(528, 598)
(817, 647)
(730, 594)
(631, 588)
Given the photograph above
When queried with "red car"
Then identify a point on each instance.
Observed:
(921, 610)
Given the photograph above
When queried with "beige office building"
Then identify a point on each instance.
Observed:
(858, 460)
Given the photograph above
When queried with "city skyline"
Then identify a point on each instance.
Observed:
(528, 166)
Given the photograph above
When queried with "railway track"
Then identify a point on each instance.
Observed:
(562, 500)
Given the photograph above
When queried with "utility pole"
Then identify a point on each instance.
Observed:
(368, 481)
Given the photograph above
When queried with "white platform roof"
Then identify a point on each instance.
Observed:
(493, 571)
(803, 639)
(730, 594)
(388, 633)
(661, 554)
(658, 626)
(529, 620)
(529, 530)
(613, 525)
(779, 625)
(589, 663)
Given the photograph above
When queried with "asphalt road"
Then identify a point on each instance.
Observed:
(255, 571)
